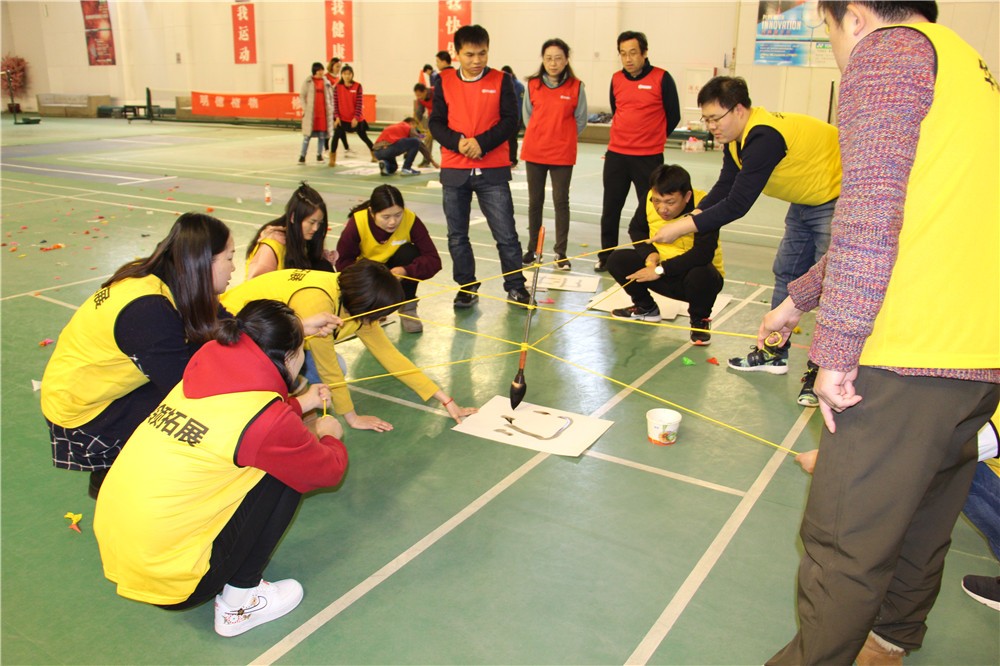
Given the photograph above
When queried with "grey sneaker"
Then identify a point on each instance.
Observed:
(761, 360)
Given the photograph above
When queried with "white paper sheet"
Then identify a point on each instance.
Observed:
(534, 427)
(669, 308)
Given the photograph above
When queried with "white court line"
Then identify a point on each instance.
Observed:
(148, 180)
(294, 638)
(400, 401)
(52, 300)
(286, 644)
(662, 472)
(644, 651)
(147, 143)
(35, 292)
(75, 173)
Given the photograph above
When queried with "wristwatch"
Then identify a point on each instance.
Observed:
(658, 269)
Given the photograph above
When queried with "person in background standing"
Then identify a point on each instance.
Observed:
(555, 112)
(519, 93)
(348, 112)
(645, 111)
(317, 112)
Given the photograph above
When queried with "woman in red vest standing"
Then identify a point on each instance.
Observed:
(348, 115)
(555, 112)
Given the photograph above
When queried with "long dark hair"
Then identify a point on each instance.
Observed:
(300, 253)
(272, 326)
(183, 260)
(368, 288)
(347, 68)
(562, 46)
(383, 196)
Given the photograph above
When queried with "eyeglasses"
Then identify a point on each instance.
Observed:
(715, 121)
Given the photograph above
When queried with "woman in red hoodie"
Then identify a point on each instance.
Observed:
(208, 483)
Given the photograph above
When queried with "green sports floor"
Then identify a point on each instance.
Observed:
(439, 548)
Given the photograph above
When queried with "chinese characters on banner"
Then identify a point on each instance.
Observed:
(452, 15)
(97, 30)
(244, 34)
(273, 106)
(791, 33)
(339, 30)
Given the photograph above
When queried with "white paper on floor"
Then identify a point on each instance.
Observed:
(564, 282)
(534, 427)
(669, 308)
(360, 171)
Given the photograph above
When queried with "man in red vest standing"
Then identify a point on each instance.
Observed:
(645, 111)
(474, 114)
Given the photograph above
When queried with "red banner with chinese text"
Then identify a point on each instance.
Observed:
(273, 106)
(244, 34)
(452, 15)
(97, 31)
(339, 30)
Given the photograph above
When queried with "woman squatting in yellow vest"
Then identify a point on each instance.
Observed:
(294, 240)
(209, 482)
(383, 229)
(359, 296)
(127, 345)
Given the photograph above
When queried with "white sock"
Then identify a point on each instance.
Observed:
(236, 597)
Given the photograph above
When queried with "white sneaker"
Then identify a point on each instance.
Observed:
(268, 601)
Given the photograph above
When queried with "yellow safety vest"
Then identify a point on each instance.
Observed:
(942, 306)
(382, 252)
(88, 371)
(682, 244)
(172, 489)
(810, 171)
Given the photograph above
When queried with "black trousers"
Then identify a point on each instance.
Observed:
(404, 256)
(243, 547)
(620, 173)
(340, 134)
(697, 287)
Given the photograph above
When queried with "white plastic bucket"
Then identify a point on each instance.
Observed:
(662, 426)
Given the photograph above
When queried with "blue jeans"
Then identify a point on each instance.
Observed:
(983, 505)
(409, 145)
(497, 206)
(806, 240)
(320, 143)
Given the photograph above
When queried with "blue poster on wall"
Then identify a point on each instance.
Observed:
(791, 33)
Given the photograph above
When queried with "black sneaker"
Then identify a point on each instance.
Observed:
(319, 158)
(807, 396)
(302, 159)
(701, 338)
(520, 296)
(467, 297)
(636, 314)
(562, 263)
(761, 360)
(984, 589)
(601, 266)
(528, 259)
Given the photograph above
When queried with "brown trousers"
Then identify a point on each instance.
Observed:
(887, 490)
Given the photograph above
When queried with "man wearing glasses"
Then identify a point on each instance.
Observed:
(787, 156)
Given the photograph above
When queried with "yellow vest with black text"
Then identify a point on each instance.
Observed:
(87, 370)
(283, 285)
(278, 248)
(682, 244)
(172, 489)
(382, 252)
(942, 306)
(810, 172)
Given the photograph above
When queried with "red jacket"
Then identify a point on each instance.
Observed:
(276, 441)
